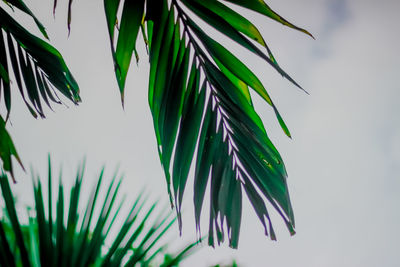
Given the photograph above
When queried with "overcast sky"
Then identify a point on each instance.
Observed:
(344, 158)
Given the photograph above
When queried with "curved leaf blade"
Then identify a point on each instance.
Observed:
(7, 149)
(131, 20)
(261, 7)
(24, 8)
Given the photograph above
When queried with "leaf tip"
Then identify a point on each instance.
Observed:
(123, 101)
(309, 34)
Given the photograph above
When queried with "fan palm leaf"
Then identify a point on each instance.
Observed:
(54, 240)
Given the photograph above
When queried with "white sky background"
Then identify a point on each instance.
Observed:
(343, 161)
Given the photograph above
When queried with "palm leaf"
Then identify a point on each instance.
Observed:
(81, 241)
(7, 149)
(262, 8)
(13, 217)
(199, 98)
(39, 68)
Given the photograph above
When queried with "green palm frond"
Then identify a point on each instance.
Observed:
(200, 100)
(7, 149)
(39, 69)
(75, 240)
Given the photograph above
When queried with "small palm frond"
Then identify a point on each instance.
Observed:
(75, 240)
(38, 68)
(7, 149)
(200, 100)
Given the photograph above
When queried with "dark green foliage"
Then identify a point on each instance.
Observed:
(79, 239)
(39, 71)
(198, 95)
(199, 98)
(38, 67)
(7, 149)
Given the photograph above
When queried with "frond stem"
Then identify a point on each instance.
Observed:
(200, 55)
